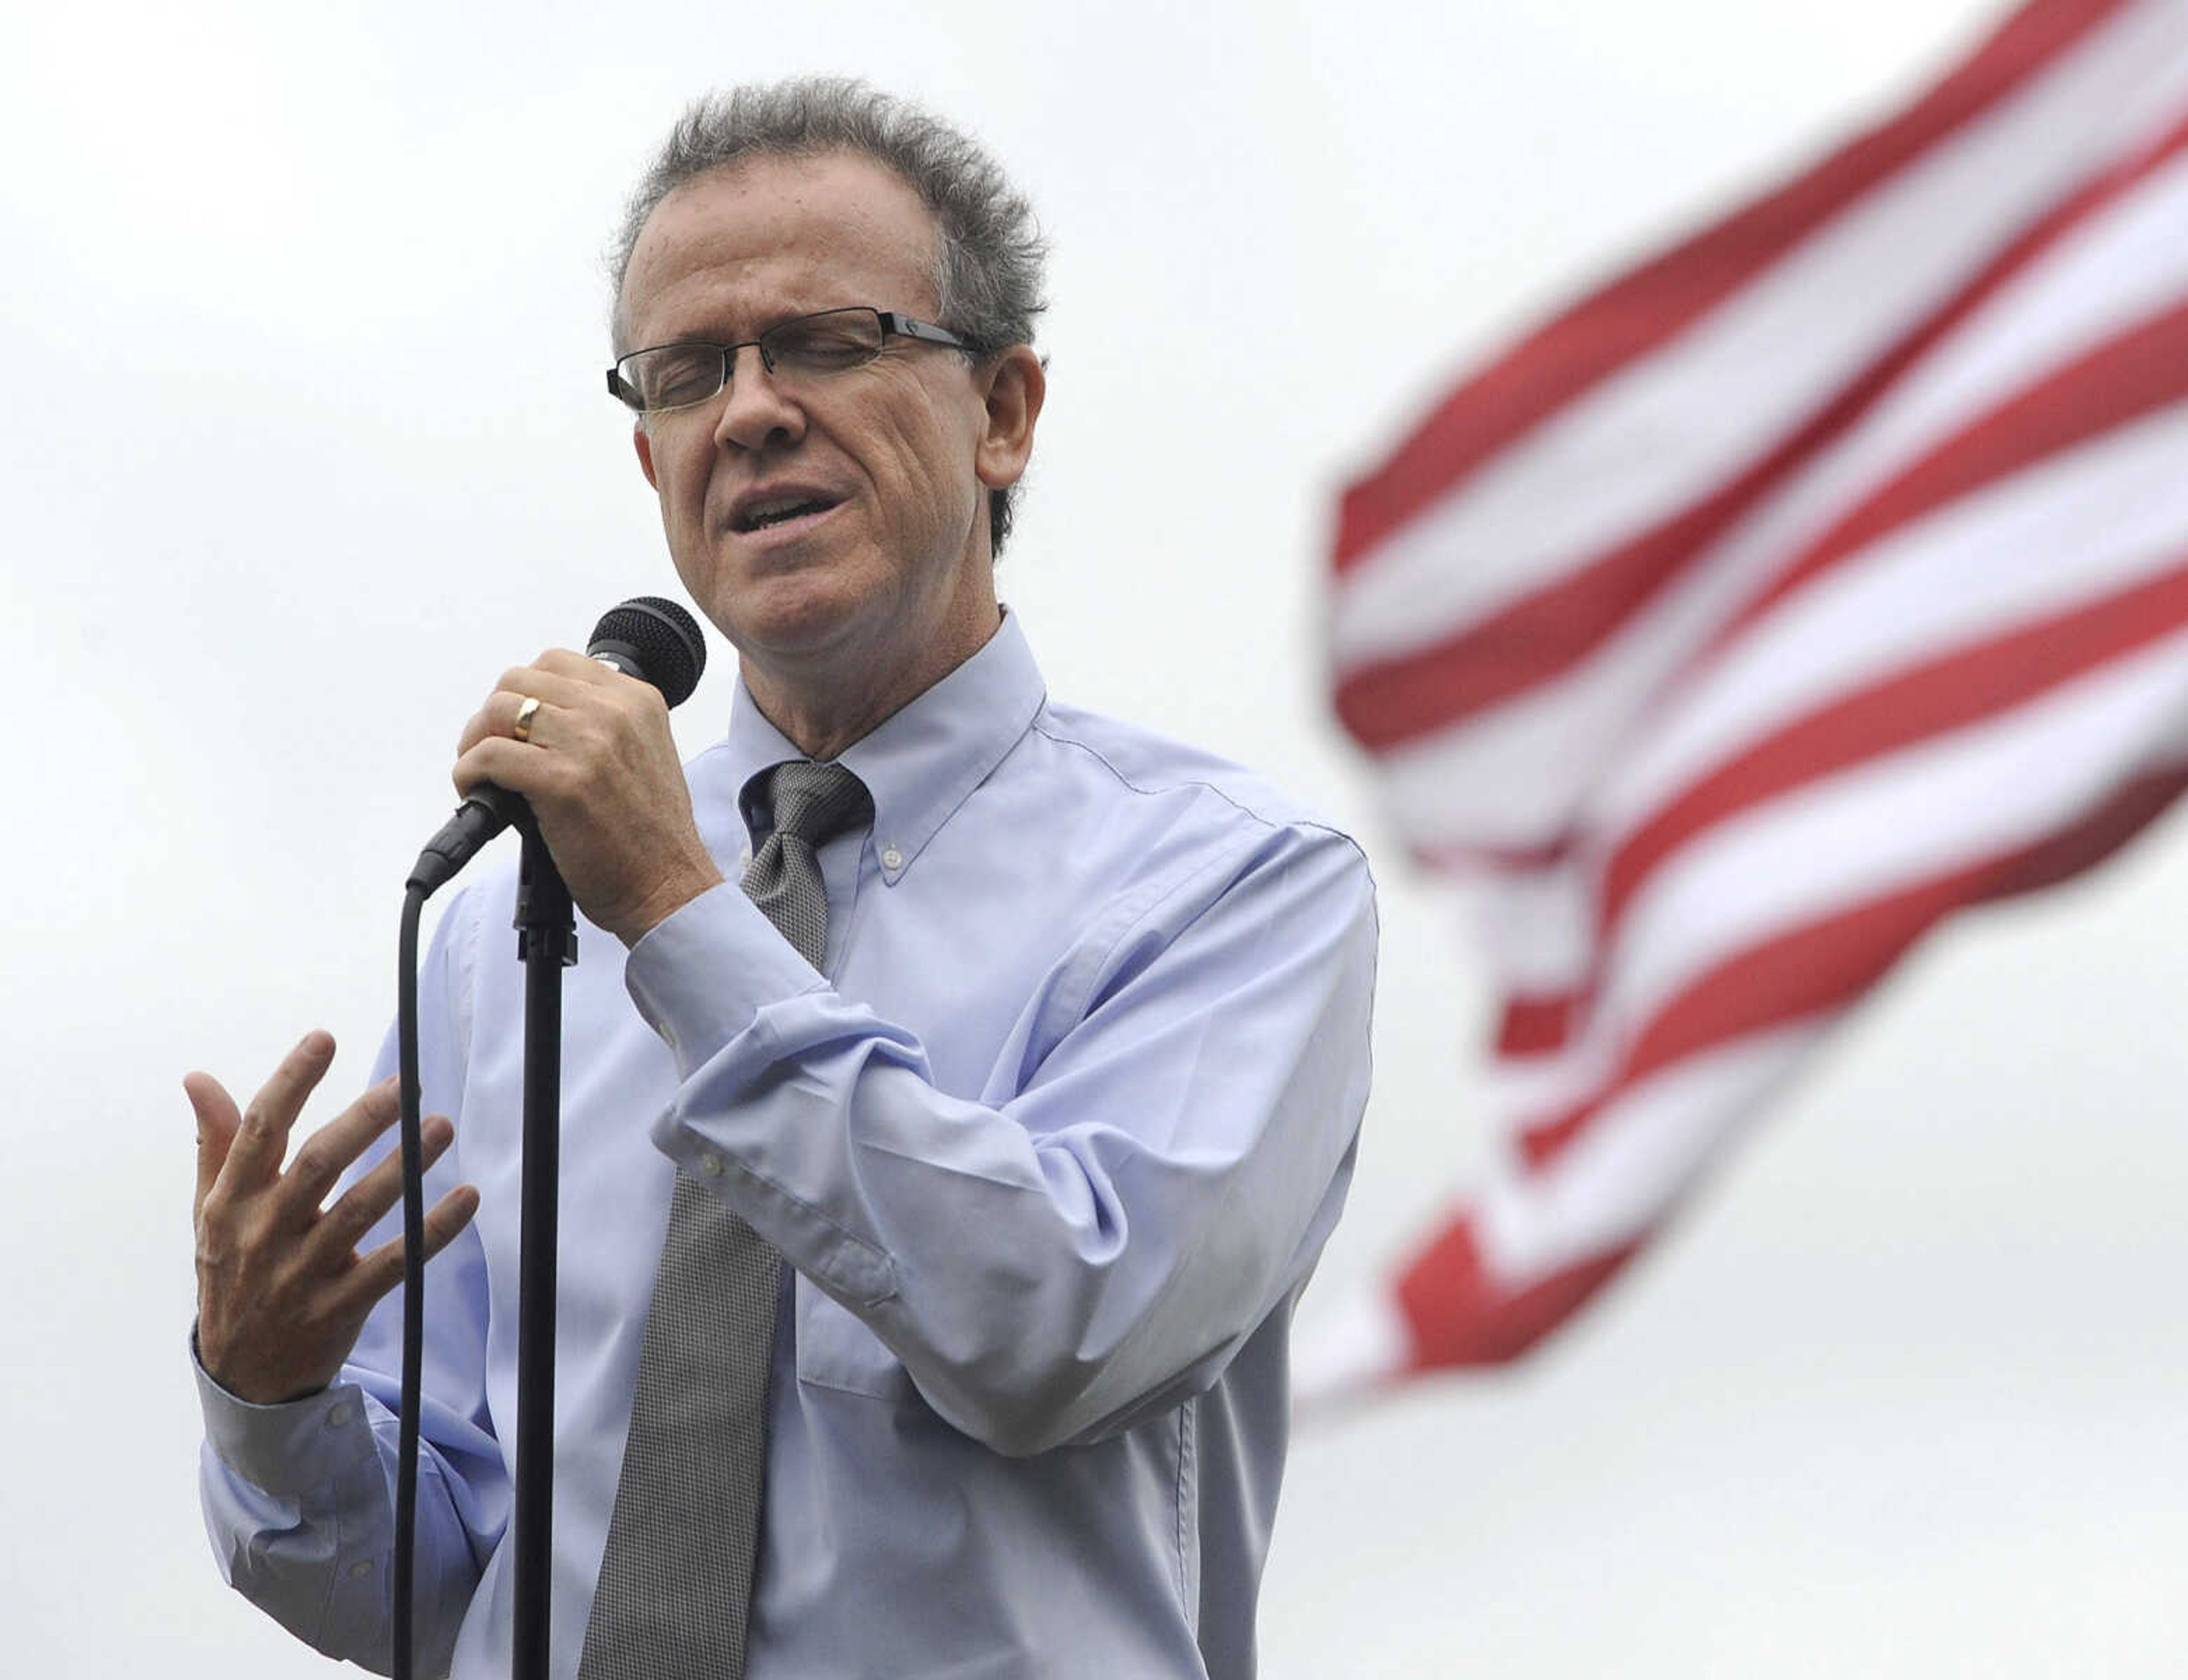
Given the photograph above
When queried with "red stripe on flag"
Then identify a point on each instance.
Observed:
(1823, 967)
(1634, 315)
(1457, 1313)
(1535, 1025)
(1385, 703)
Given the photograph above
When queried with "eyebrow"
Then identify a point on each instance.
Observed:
(771, 325)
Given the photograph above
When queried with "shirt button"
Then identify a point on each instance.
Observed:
(892, 859)
(710, 1164)
(338, 1415)
(744, 858)
(359, 1570)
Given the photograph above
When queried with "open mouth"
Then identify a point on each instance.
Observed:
(768, 512)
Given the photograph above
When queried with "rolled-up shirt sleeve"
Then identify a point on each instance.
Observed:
(1056, 1261)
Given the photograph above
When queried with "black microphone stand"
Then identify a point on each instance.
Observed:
(656, 641)
(546, 944)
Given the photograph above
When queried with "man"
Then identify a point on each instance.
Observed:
(1048, 1127)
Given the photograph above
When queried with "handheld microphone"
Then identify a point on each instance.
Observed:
(653, 639)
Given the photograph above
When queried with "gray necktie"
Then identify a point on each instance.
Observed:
(674, 1595)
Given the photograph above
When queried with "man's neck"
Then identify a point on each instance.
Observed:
(823, 719)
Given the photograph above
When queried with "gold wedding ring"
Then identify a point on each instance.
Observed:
(522, 729)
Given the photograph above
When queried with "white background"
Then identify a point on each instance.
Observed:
(303, 441)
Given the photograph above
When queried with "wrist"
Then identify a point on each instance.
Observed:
(665, 900)
(239, 1386)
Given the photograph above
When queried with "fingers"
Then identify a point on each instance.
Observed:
(254, 1158)
(218, 1120)
(496, 717)
(343, 1227)
(558, 679)
(581, 669)
(490, 751)
(506, 763)
(381, 1270)
(324, 1156)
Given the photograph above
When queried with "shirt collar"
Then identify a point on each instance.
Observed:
(927, 757)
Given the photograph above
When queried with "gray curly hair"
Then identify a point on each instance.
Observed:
(989, 251)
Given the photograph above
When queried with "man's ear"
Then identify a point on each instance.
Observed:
(643, 445)
(1015, 385)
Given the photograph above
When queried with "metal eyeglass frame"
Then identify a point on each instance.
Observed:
(892, 325)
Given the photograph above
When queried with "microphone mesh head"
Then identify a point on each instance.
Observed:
(661, 637)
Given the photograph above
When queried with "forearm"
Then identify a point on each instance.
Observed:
(1057, 1262)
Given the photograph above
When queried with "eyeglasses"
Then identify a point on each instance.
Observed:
(806, 347)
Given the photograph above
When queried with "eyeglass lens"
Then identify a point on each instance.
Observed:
(678, 375)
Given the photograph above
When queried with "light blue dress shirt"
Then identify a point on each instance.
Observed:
(1052, 1147)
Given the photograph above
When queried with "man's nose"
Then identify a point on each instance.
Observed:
(756, 408)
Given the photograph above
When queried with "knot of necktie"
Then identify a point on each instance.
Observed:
(810, 804)
(815, 802)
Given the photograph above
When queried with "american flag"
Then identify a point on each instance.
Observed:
(1818, 577)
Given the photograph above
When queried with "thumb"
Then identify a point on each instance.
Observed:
(218, 1120)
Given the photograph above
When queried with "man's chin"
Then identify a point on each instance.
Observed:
(802, 620)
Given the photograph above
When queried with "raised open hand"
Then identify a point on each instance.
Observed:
(282, 1291)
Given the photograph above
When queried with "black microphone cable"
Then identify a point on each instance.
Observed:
(656, 641)
(413, 1280)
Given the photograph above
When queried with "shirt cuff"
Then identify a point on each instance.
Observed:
(289, 1448)
(702, 977)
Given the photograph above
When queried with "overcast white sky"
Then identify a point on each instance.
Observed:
(305, 442)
